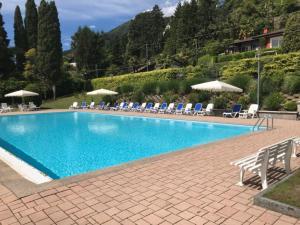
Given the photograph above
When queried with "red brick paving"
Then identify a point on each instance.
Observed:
(192, 187)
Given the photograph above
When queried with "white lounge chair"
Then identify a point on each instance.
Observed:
(5, 108)
(129, 107)
(92, 105)
(268, 156)
(155, 108)
(32, 107)
(188, 108)
(208, 111)
(74, 105)
(170, 108)
(142, 107)
(250, 113)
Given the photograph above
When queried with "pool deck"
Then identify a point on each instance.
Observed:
(193, 186)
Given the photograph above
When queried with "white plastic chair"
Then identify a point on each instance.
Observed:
(188, 108)
(155, 108)
(251, 112)
(74, 105)
(208, 111)
(170, 108)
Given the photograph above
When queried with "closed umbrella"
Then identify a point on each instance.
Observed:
(216, 86)
(21, 94)
(102, 92)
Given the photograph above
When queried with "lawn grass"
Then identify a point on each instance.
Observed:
(287, 192)
(65, 102)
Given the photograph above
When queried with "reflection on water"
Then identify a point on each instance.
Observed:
(18, 128)
(99, 128)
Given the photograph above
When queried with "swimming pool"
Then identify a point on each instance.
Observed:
(72, 143)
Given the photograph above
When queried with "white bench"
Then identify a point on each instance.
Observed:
(266, 157)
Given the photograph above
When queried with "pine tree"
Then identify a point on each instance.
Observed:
(49, 49)
(6, 64)
(31, 23)
(291, 39)
(20, 39)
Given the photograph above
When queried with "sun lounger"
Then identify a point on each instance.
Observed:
(115, 107)
(163, 108)
(101, 105)
(149, 107)
(5, 108)
(250, 113)
(179, 109)
(107, 106)
(123, 106)
(155, 108)
(208, 111)
(32, 107)
(236, 109)
(74, 105)
(198, 108)
(266, 157)
(129, 107)
(170, 108)
(188, 109)
(135, 107)
(92, 105)
(142, 107)
(84, 105)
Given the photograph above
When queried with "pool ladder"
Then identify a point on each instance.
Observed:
(268, 118)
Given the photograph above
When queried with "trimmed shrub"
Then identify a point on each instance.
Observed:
(291, 84)
(220, 102)
(274, 101)
(240, 80)
(124, 89)
(138, 96)
(149, 88)
(290, 106)
(244, 101)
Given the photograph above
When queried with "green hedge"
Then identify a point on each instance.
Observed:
(283, 64)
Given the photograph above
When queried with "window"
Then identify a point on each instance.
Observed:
(276, 42)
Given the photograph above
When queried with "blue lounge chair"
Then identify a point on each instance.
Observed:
(236, 109)
(124, 106)
(83, 105)
(179, 109)
(163, 108)
(135, 106)
(149, 107)
(101, 105)
(198, 109)
(115, 107)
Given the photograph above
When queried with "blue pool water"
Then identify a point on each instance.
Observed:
(66, 144)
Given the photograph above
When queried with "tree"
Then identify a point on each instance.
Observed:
(20, 39)
(291, 39)
(31, 23)
(6, 63)
(49, 48)
(87, 46)
(145, 35)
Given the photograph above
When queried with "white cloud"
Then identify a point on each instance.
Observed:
(93, 27)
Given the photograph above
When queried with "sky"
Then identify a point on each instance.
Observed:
(100, 15)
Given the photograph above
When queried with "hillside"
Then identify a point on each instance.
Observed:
(280, 74)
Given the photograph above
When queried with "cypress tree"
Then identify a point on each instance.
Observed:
(49, 48)
(6, 64)
(20, 39)
(31, 23)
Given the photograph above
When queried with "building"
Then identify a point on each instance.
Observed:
(268, 39)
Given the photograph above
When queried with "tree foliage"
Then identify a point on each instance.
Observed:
(20, 39)
(49, 48)
(6, 64)
(291, 40)
(31, 23)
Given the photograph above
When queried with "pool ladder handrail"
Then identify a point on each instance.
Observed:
(260, 121)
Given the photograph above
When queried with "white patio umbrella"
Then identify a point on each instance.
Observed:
(216, 86)
(102, 92)
(21, 94)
